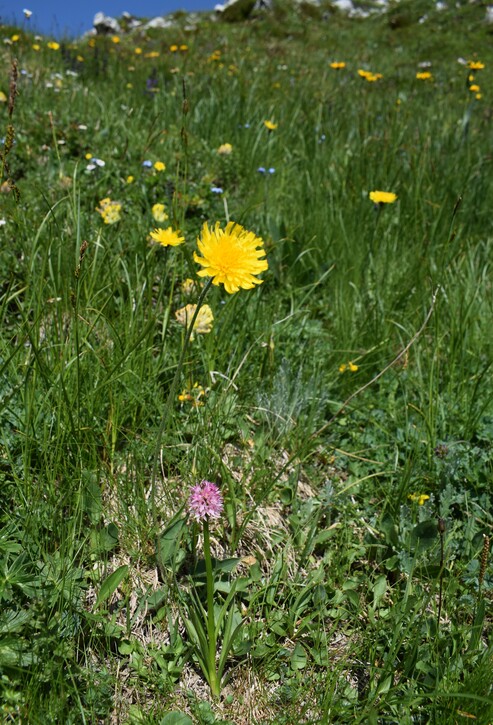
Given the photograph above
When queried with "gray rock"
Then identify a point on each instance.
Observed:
(104, 24)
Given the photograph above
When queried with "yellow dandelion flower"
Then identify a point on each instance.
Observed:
(270, 125)
(383, 197)
(167, 237)
(225, 149)
(474, 88)
(173, 48)
(15, 38)
(203, 321)
(152, 54)
(115, 39)
(36, 46)
(52, 45)
(138, 51)
(337, 65)
(183, 47)
(475, 65)
(424, 76)
(159, 213)
(478, 96)
(159, 166)
(231, 256)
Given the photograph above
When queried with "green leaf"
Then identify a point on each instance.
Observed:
(424, 534)
(176, 718)
(379, 589)
(111, 584)
(169, 542)
(298, 658)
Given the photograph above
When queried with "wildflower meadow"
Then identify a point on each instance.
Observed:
(246, 353)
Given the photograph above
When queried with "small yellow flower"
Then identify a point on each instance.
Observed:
(110, 210)
(183, 47)
(3, 97)
(15, 38)
(167, 237)
(130, 179)
(188, 286)
(337, 65)
(418, 498)
(231, 256)
(159, 166)
(475, 65)
(79, 58)
(53, 45)
(138, 51)
(152, 54)
(342, 368)
(36, 46)
(270, 125)
(474, 88)
(173, 48)
(225, 149)
(424, 76)
(159, 213)
(203, 322)
(193, 395)
(115, 39)
(478, 96)
(352, 367)
(383, 197)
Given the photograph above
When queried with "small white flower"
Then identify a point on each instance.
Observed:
(27, 13)
(3, 222)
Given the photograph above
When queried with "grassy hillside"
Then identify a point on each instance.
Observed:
(340, 400)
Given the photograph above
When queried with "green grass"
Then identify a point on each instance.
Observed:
(357, 604)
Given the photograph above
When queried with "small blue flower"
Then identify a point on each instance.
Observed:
(261, 169)
(272, 170)
(216, 190)
(147, 164)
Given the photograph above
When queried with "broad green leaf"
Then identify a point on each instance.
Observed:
(111, 584)
(298, 658)
(169, 541)
(176, 718)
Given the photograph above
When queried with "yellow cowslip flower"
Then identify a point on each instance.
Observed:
(225, 149)
(270, 125)
(231, 256)
(159, 166)
(203, 321)
(188, 286)
(337, 65)
(383, 197)
(159, 213)
(53, 45)
(424, 76)
(167, 237)
(475, 65)
(110, 210)
(418, 498)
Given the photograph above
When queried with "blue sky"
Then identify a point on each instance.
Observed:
(71, 18)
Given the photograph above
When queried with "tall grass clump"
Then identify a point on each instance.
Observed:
(245, 393)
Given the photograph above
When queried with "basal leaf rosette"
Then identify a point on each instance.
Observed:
(231, 256)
